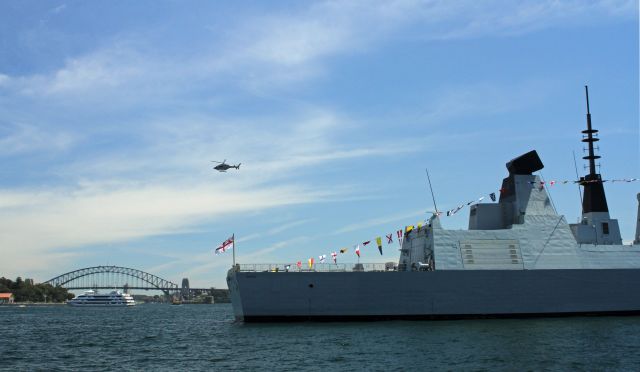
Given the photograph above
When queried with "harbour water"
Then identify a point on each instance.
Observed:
(205, 337)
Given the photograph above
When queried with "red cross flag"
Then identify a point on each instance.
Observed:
(225, 245)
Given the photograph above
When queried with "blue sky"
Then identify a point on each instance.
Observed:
(111, 112)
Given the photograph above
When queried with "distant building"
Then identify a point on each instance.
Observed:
(6, 298)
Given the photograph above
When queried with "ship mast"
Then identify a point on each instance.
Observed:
(594, 199)
(590, 139)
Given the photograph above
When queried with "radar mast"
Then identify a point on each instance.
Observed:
(594, 199)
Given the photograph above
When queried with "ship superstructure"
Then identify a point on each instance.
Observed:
(519, 257)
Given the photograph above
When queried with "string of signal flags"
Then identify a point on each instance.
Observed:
(540, 184)
(229, 244)
(400, 233)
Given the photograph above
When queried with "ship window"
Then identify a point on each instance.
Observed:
(605, 228)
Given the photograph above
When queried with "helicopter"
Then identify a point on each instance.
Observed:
(223, 166)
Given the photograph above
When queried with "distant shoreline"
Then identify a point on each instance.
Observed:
(34, 304)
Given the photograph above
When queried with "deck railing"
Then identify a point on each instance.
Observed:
(320, 267)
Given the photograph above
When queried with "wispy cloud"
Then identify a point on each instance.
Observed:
(59, 8)
(255, 256)
(292, 46)
(23, 138)
(93, 216)
(273, 231)
(104, 71)
(374, 222)
(456, 102)
(507, 18)
(195, 265)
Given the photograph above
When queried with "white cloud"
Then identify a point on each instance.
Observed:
(59, 8)
(254, 256)
(273, 231)
(280, 49)
(269, 148)
(506, 18)
(35, 222)
(289, 42)
(297, 41)
(24, 138)
(456, 102)
(105, 69)
(380, 221)
(4, 80)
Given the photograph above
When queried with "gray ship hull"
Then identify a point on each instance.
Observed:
(445, 294)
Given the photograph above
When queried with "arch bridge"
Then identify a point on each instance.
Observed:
(110, 277)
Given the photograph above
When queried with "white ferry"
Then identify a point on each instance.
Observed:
(93, 298)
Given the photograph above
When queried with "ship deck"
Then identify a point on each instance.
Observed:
(320, 267)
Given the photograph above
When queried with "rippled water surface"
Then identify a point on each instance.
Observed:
(205, 337)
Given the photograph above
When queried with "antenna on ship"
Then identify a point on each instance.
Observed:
(432, 194)
(590, 139)
(575, 166)
(593, 199)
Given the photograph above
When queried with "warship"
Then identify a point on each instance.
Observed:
(518, 258)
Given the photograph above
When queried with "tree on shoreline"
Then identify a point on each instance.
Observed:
(26, 291)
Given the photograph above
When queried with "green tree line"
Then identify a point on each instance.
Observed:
(26, 291)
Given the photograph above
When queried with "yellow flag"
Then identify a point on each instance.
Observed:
(343, 250)
(379, 241)
(419, 225)
(409, 228)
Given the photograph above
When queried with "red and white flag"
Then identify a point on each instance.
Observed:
(225, 245)
(334, 255)
(358, 250)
